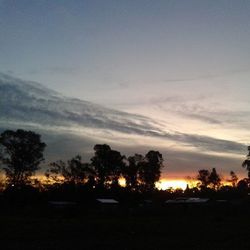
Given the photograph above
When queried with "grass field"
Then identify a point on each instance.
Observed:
(39, 229)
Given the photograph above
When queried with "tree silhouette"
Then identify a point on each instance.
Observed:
(108, 165)
(21, 154)
(214, 179)
(203, 177)
(150, 170)
(246, 163)
(74, 171)
(233, 179)
(131, 171)
(243, 184)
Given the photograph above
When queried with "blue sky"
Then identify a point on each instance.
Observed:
(184, 63)
(87, 48)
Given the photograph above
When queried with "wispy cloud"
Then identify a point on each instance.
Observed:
(202, 118)
(26, 103)
(208, 76)
(72, 126)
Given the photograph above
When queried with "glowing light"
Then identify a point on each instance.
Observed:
(175, 184)
(122, 182)
(163, 184)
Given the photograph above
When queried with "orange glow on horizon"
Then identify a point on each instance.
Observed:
(162, 184)
(171, 184)
(122, 182)
(165, 184)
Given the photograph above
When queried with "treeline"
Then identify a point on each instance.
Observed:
(22, 153)
(107, 167)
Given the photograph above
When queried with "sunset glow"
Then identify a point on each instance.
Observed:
(166, 184)
(98, 86)
(124, 122)
(171, 184)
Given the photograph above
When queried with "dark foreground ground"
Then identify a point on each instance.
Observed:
(175, 228)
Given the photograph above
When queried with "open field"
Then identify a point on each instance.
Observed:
(33, 228)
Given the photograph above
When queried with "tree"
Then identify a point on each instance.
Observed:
(131, 171)
(150, 170)
(214, 179)
(246, 163)
(234, 179)
(243, 185)
(74, 171)
(108, 165)
(203, 177)
(21, 154)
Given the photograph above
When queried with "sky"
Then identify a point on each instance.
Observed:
(184, 64)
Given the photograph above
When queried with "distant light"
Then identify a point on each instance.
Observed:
(122, 182)
(174, 184)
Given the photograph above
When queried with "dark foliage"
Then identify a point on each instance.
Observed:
(233, 178)
(214, 179)
(75, 180)
(246, 163)
(208, 179)
(74, 171)
(21, 154)
(150, 170)
(131, 171)
(108, 165)
(203, 177)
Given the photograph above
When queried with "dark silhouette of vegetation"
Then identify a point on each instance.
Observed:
(76, 180)
(233, 178)
(246, 163)
(21, 154)
(214, 179)
(69, 202)
(208, 179)
(107, 164)
(243, 184)
(203, 177)
(150, 170)
(131, 171)
(74, 171)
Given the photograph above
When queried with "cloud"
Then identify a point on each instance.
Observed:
(210, 144)
(180, 163)
(202, 118)
(31, 104)
(71, 126)
(205, 110)
(208, 76)
(219, 116)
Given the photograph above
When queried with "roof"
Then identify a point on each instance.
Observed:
(107, 201)
(62, 203)
(187, 201)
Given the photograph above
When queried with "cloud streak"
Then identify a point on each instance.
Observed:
(208, 76)
(27, 102)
